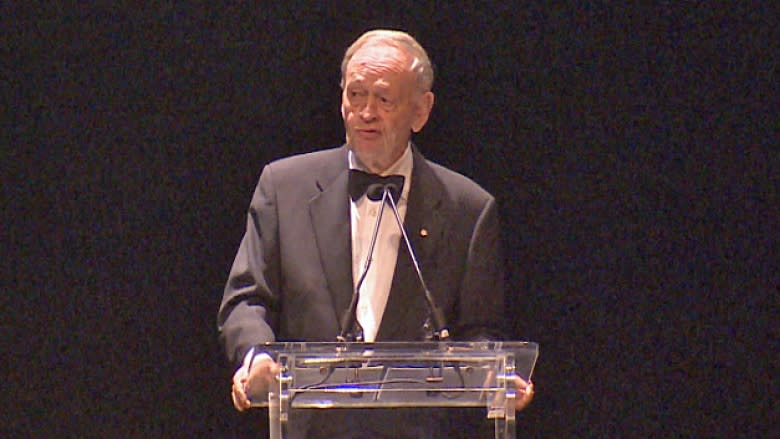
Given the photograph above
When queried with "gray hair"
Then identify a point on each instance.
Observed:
(421, 64)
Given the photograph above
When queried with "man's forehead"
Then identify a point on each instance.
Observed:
(378, 58)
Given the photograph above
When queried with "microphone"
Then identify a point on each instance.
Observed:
(375, 192)
(440, 331)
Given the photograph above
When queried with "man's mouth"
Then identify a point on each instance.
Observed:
(368, 133)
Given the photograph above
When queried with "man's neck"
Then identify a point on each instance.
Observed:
(378, 169)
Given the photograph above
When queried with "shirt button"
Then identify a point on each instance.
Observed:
(372, 212)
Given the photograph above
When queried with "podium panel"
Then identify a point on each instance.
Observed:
(335, 375)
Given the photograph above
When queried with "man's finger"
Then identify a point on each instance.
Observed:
(238, 393)
(526, 393)
(237, 397)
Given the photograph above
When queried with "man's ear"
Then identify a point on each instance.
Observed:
(423, 110)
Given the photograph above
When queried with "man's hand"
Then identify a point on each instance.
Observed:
(254, 381)
(525, 393)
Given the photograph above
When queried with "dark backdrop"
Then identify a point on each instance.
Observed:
(633, 151)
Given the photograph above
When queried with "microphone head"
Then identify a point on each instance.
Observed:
(375, 191)
(394, 190)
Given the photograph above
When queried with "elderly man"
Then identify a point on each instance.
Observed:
(310, 226)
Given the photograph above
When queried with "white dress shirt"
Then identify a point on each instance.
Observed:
(363, 212)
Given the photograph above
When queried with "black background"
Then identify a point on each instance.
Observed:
(633, 151)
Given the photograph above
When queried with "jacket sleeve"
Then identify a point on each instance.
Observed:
(481, 310)
(249, 309)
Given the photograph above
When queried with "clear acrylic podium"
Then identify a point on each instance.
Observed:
(332, 375)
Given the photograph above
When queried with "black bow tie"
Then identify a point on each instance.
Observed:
(373, 185)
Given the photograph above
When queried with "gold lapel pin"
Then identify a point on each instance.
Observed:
(423, 232)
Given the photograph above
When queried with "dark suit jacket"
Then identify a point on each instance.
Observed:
(292, 276)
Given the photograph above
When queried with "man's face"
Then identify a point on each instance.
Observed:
(381, 105)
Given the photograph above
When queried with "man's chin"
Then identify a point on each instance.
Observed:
(367, 146)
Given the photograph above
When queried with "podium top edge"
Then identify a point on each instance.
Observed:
(395, 345)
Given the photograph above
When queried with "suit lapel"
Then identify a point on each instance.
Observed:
(406, 310)
(329, 212)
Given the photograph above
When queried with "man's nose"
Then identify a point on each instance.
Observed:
(368, 112)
